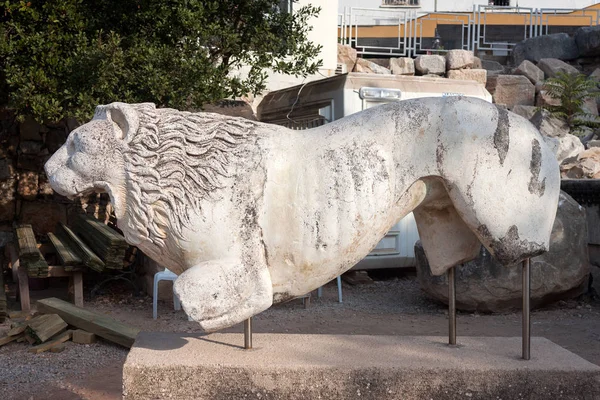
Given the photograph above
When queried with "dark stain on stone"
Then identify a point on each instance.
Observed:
(502, 134)
(510, 248)
(535, 186)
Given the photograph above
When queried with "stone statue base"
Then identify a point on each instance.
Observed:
(282, 366)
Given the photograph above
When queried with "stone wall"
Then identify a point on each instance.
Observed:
(25, 194)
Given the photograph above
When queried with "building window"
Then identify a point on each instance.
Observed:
(499, 3)
(401, 3)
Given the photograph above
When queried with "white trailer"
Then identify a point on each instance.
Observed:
(319, 102)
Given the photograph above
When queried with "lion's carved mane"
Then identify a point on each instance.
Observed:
(174, 161)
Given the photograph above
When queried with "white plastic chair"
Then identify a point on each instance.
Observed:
(165, 275)
(339, 286)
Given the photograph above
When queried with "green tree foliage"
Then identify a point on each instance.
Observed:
(60, 58)
(572, 90)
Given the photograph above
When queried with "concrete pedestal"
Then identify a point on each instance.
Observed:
(332, 367)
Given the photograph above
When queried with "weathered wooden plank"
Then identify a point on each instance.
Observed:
(43, 327)
(89, 258)
(103, 326)
(108, 244)
(57, 340)
(17, 330)
(29, 254)
(8, 339)
(67, 255)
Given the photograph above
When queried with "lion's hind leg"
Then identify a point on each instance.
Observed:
(446, 238)
(221, 293)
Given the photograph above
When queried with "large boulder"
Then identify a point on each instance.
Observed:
(531, 71)
(549, 125)
(346, 55)
(477, 75)
(370, 67)
(585, 166)
(558, 45)
(430, 64)
(459, 59)
(485, 285)
(552, 66)
(402, 66)
(511, 90)
(588, 41)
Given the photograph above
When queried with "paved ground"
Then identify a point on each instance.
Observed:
(392, 307)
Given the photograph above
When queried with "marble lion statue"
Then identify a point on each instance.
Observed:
(252, 214)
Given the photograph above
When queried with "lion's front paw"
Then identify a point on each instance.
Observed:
(221, 293)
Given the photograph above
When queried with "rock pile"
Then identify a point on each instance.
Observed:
(456, 64)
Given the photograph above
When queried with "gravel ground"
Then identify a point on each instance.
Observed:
(392, 307)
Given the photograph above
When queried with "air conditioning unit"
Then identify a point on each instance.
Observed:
(341, 69)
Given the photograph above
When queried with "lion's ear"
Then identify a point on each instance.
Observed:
(124, 117)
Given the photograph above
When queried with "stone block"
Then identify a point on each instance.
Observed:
(346, 55)
(343, 367)
(402, 66)
(543, 98)
(531, 71)
(7, 169)
(568, 146)
(30, 146)
(28, 185)
(552, 66)
(8, 191)
(55, 138)
(585, 166)
(558, 45)
(477, 75)
(477, 64)
(83, 337)
(366, 66)
(45, 189)
(30, 130)
(29, 162)
(593, 143)
(430, 64)
(524, 111)
(588, 41)
(459, 59)
(492, 67)
(486, 285)
(548, 125)
(511, 90)
(43, 216)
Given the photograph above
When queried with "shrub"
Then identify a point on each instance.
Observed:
(572, 90)
(60, 58)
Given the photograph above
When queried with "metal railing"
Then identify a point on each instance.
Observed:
(408, 32)
(413, 3)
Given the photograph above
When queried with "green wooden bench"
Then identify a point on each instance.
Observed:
(90, 244)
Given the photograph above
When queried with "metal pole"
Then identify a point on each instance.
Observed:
(452, 306)
(248, 333)
(526, 309)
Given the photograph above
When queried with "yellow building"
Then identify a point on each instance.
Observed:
(407, 31)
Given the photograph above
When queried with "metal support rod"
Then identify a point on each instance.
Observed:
(452, 306)
(248, 333)
(526, 309)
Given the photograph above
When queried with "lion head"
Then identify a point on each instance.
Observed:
(157, 165)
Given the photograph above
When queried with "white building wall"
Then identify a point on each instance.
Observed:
(324, 30)
(467, 5)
